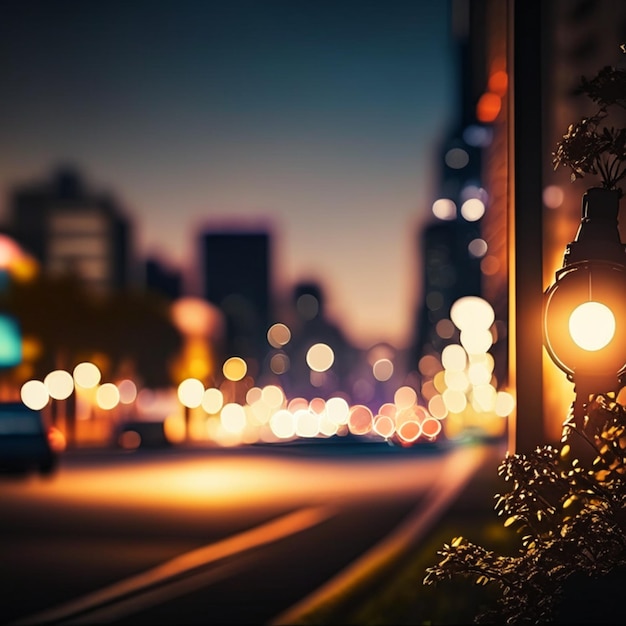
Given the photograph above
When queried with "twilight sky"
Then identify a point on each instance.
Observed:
(318, 118)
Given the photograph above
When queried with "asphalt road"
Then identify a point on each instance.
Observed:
(211, 537)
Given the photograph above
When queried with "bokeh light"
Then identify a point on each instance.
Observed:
(456, 158)
(444, 209)
(283, 424)
(34, 394)
(454, 357)
(190, 393)
(338, 410)
(472, 312)
(477, 248)
(360, 420)
(107, 396)
(128, 391)
(233, 418)
(278, 335)
(473, 209)
(234, 369)
(382, 370)
(553, 196)
(87, 375)
(320, 357)
(59, 384)
(404, 397)
(212, 400)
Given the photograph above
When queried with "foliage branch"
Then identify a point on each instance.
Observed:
(591, 146)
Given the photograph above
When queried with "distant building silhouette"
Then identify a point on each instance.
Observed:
(449, 273)
(464, 254)
(69, 228)
(162, 280)
(236, 277)
(311, 326)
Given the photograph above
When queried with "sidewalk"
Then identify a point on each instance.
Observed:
(467, 501)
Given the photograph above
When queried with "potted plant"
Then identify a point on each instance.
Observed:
(571, 514)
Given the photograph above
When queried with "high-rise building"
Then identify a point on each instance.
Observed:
(71, 229)
(236, 277)
(449, 273)
(159, 278)
(452, 245)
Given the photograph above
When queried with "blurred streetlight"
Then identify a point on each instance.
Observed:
(190, 393)
(584, 312)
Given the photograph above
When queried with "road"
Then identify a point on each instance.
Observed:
(207, 536)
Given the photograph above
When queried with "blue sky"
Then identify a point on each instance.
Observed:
(320, 118)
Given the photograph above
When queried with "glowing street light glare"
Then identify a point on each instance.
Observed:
(473, 209)
(454, 357)
(382, 370)
(87, 375)
(384, 426)
(283, 424)
(405, 397)
(60, 384)
(191, 392)
(235, 368)
(444, 209)
(437, 407)
(128, 391)
(107, 396)
(476, 341)
(472, 312)
(320, 357)
(34, 394)
(233, 418)
(212, 400)
(273, 396)
(360, 420)
(338, 410)
(278, 335)
(307, 423)
(592, 326)
(505, 403)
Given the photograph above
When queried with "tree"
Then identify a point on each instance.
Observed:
(69, 325)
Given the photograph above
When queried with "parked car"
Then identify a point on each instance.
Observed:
(27, 443)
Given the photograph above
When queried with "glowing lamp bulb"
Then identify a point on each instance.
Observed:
(592, 326)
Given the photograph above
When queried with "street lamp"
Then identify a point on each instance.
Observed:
(584, 310)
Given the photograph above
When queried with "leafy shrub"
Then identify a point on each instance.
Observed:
(572, 519)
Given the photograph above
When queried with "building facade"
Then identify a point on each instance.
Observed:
(236, 270)
(71, 229)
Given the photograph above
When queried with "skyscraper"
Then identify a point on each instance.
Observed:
(71, 229)
(236, 277)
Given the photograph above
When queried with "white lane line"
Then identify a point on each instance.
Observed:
(274, 530)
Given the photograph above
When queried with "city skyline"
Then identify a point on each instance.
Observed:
(321, 120)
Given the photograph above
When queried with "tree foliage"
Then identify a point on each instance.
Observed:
(591, 146)
(70, 325)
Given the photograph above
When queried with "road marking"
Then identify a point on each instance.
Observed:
(139, 591)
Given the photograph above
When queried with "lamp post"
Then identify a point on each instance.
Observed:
(584, 310)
